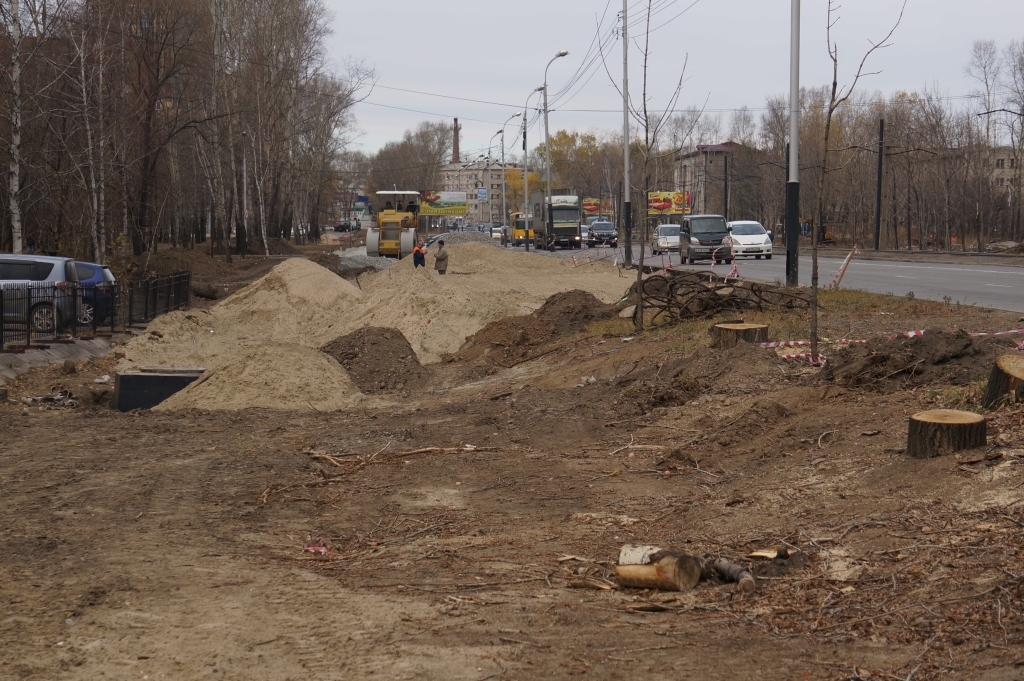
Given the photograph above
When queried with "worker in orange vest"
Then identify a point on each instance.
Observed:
(419, 256)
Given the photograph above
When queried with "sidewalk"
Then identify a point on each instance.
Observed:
(14, 364)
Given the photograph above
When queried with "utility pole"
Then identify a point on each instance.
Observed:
(793, 186)
(504, 186)
(627, 212)
(245, 198)
(527, 214)
(878, 188)
(725, 193)
(547, 143)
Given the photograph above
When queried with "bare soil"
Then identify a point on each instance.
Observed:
(473, 526)
(379, 360)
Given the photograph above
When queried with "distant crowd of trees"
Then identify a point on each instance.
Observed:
(127, 123)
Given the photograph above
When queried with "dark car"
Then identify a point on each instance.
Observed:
(603, 232)
(96, 284)
(701, 237)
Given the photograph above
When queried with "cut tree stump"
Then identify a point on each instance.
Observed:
(728, 335)
(1006, 381)
(942, 431)
(651, 567)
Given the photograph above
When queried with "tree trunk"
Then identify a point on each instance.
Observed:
(1006, 381)
(666, 570)
(728, 335)
(941, 431)
(14, 167)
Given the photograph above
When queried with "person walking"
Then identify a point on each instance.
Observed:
(419, 256)
(441, 258)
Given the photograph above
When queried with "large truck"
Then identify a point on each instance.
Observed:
(564, 216)
(394, 233)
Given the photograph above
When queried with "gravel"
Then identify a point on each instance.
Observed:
(470, 237)
(356, 258)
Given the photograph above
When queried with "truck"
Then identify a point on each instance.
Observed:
(564, 215)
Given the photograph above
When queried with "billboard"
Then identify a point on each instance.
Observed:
(443, 203)
(594, 207)
(668, 203)
(481, 193)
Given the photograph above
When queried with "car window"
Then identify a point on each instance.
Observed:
(710, 225)
(84, 272)
(25, 270)
(750, 229)
(670, 231)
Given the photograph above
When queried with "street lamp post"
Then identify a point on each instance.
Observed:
(793, 185)
(526, 172)
(504, 207)
(547, 142)
(245, 200)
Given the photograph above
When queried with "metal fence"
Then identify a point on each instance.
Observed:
(40, 312)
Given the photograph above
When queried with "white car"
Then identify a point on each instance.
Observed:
(666, 238)
(750, 238)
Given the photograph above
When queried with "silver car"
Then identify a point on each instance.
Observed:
(39, 289)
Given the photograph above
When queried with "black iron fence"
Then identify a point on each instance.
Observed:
(39, 312)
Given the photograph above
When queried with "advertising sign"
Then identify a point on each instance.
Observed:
(595, 207)
(667, 203)
(481, 193)
(443, 203)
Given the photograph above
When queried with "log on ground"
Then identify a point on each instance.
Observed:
(663, 569)
(729, 335)
(942, 431)
(1006, 383)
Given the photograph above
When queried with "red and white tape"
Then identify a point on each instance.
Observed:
(574, 262)
(820, 361)
(1011, 332)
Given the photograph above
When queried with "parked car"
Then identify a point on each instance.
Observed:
(604, 232)
(496, 233)
(702, 237)
(666, 238)
(750, 238)
(95, 282)
(38, 285)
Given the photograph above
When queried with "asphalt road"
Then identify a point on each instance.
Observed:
(983, 284)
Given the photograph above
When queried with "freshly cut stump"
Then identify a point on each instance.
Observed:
(941, 431)
(728, 335)
(1005, 382)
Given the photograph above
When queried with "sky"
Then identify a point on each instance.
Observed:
(735, 53)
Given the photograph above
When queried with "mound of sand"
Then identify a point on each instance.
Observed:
(437, 313)
(261, 345)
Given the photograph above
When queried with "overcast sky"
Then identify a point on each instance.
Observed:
(738, 53)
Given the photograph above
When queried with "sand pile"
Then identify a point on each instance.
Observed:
(437, 313)
(260, 346)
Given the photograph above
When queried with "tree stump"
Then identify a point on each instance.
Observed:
(1006, 381)
(728, 335)
(941, 431)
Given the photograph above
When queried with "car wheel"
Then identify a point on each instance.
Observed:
(768, 257)
(44, 319)
(757, 257)
(87, 314)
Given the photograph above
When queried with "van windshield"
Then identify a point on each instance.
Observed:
(708, 226)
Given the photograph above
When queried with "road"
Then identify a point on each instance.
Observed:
(983, 284)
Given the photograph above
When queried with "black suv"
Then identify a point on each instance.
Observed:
(701, 237)
(603, 232)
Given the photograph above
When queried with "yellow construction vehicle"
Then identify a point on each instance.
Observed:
(393, 233)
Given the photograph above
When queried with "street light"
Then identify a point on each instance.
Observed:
(245, 199)
(547, 139)
(504, 208)
(526, 172)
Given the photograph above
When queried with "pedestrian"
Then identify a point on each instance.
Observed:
(441, 258)
(419, 256)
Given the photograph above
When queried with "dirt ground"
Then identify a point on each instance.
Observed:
(473, 525)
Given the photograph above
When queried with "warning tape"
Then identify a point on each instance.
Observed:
(820, 361)
(1020, 348)
(574, 263)
(997, 333)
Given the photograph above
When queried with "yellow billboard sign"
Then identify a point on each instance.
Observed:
(668, 203)
(443, 203)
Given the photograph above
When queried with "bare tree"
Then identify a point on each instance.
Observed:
(838, 97)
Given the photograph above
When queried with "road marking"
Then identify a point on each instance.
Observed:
(900, 276)
(1000, 285)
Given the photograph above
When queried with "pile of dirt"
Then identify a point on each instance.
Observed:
(259, 346)
(282, 247)
(379, 360)
(328, 260)
(899, 363)
(438, 313)
(513, 340)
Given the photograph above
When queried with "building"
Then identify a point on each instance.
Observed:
(470, 178)
(702, 172)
